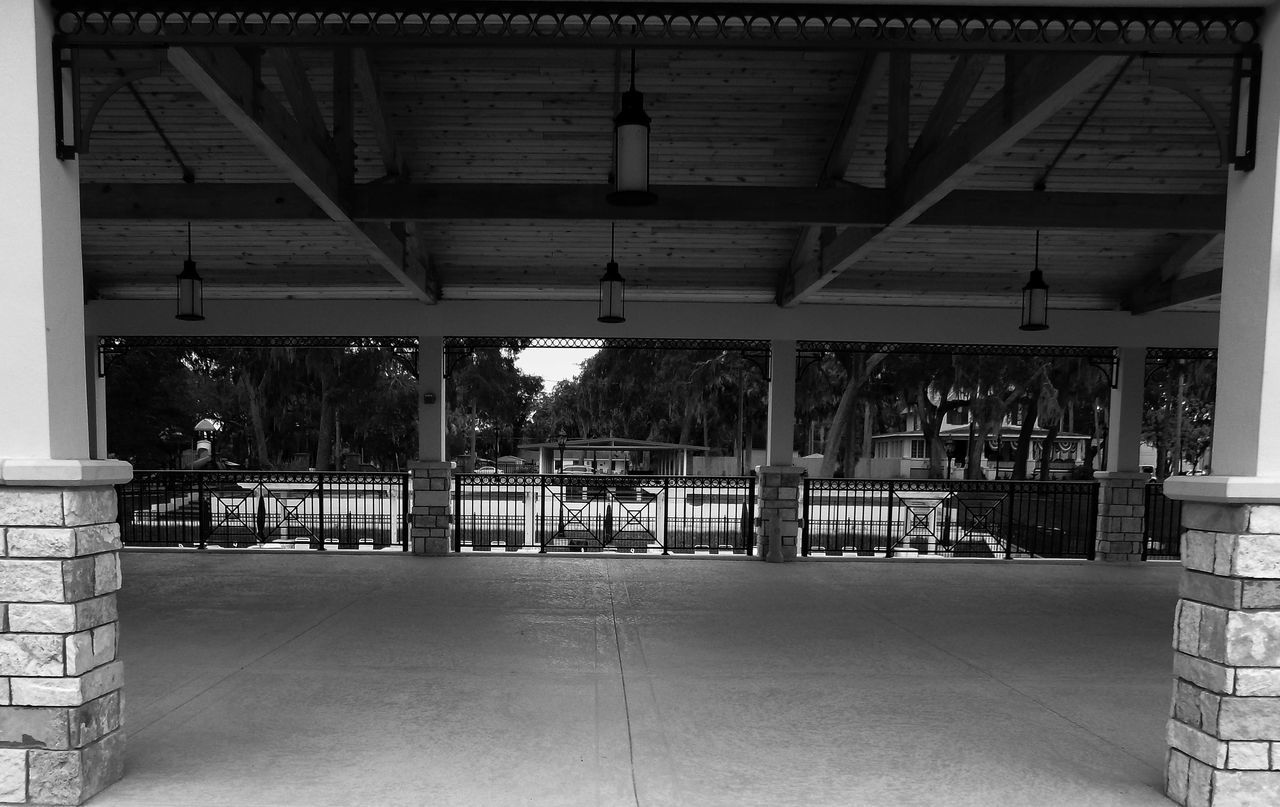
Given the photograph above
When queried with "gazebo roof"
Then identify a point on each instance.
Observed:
(798, 155)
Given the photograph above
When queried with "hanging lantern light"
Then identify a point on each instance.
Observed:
(612, 290)
(631, 149)
(190, 288)
(1035, 298)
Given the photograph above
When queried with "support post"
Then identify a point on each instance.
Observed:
(1224, 729)
(1122, 487)
(61, 739)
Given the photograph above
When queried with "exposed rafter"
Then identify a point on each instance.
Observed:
(230, 83)
(1040, 88)
(1160, 295)
(816, 207)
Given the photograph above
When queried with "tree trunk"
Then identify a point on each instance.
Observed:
(255, 419)
(1022, 452)
(324, 434)
(835, 441)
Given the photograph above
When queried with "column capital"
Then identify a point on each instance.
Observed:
(64, 473)
(1224, 489)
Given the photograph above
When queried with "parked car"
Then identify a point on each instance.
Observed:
(577, 469)
(488, 469)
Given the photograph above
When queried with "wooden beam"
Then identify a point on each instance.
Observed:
(376, 113)
(1046, 210)
(1159, 295)
(857, 109)
(810, 207)
(898, 140)
(1035, 93)
(964, 78)
(229, 82)
(302, 98)
(1191, 250)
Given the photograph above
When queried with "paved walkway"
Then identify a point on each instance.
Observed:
(304, 680)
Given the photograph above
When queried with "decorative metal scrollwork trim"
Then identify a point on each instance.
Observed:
(1201, 30)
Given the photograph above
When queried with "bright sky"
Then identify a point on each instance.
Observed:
(553, 363)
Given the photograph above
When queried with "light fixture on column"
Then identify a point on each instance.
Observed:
(1035, 298)
(190, 288)
(612, 291)
(631, 149)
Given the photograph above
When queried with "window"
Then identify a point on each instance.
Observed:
(917, 450)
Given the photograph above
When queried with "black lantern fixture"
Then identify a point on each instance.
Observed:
(1035, 298)
(631, 149)
(190, 288)
(612, 290)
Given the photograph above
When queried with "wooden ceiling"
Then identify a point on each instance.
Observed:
(477, 168)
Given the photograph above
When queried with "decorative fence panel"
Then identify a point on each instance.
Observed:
(603, 513)
(271, 509)
(1161, 525)
(949, 518)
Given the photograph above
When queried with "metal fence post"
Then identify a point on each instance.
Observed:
(888, 525)
(1008, 532)
(320, 508)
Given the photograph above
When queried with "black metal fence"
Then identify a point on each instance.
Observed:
(603, 513)
(949, 518)
(1161, 525)
(271, 509)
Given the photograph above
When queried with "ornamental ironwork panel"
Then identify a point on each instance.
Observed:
(603, 513)
(1161, 524)
(268, 509)
(1002, 29)
(890, 518)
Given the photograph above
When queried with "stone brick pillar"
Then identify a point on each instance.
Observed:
(431, 505)
(1121, 503)
(1224, 733)
(60, 678)
(778, 491)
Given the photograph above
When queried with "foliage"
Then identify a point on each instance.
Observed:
(1178, 412)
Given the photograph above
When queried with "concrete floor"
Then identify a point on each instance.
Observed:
(304, 680)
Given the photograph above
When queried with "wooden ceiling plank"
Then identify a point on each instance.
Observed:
(1044, 210)
(1035, 93)
(228, 81)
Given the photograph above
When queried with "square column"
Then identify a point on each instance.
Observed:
(779, 497)
(1121, 505)
(61, 739)
(1224, 731)
(432, 482)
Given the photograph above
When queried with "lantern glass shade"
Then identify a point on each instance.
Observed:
(190, 293)
(631, 153)
(612, 300)
(1035, 303)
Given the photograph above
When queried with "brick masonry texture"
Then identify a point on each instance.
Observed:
(429, 532)
(1120, 507)
(61, 739)
(1224, 726)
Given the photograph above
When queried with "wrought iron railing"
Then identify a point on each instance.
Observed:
(949, 518)
(603, 513)
(1161, 525)
(272, 509)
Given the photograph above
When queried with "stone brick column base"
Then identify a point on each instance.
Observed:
(60, 679)
(778, 492)
(1121, 504)
(1224, 732)
(431, 504)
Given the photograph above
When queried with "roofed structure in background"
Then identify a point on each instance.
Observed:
(800, 154)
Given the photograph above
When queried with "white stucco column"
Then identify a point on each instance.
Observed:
(1121, 486)
(1124, 427)
(782, 402)
(1224, 732)
(60, 678)
(432, 472)
(431, 405)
